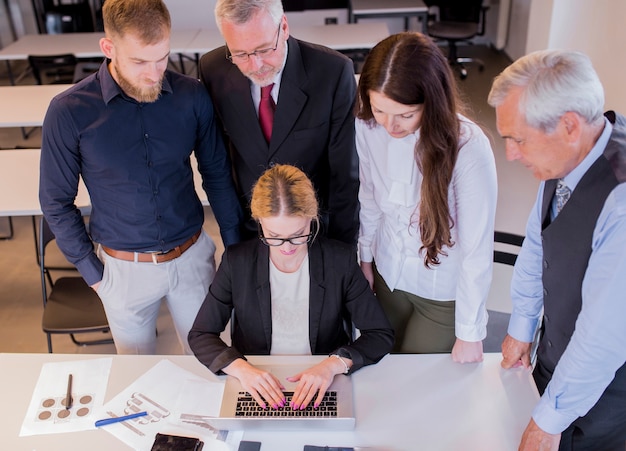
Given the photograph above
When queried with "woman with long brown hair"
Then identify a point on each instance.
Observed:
(428, 199)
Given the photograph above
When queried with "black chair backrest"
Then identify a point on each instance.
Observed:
(458, 10)
(69, 18)
(45, 236)
(41, 63)
(505, 257)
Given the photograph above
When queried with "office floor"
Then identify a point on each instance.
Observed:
(20, 292)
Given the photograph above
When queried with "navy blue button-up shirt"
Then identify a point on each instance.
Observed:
(135, 160)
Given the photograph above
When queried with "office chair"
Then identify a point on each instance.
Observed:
(498, 321)
(65, 68)
(9, 235)
(506, 248)
(58, 67)
(68, 17)
(504, 256)
(458, 20)
(70, 305)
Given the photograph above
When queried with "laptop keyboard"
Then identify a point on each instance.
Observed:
(248, 407)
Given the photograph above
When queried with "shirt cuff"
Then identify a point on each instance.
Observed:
(365, 254)
(521, 328)
(91, 268)
(470, 333)
(230, 236)
(548, 418)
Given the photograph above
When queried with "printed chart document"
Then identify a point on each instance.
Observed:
(48, 412)
(176, 401)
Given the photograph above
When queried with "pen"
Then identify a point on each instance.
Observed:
(68, 398)
(118, 419)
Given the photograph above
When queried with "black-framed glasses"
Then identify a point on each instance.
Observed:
(261, 53)
(295, 240)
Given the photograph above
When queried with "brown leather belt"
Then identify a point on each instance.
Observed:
(153, 257)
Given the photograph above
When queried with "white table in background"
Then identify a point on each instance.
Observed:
(19, 183)
(81, 45)
(338, 37)
(404, 403)
(366, 9)
(351, 36)
(26, 105)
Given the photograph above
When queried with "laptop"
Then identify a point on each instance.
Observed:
(239, 411)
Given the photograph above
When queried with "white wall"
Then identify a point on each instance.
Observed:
(191, 14)
(593, 27)
(518, 28)
(597, 29)
(540, 23)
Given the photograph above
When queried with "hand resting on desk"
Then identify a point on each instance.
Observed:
(515, 353)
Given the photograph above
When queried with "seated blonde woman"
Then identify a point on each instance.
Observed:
(292, 292)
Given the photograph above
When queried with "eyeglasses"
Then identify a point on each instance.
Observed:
(245, 57)
(295, 240)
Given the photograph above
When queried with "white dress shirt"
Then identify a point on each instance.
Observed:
(389, 234)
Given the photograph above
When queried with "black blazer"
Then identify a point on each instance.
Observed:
(339, 295)
(313, 129)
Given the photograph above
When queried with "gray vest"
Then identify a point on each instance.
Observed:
(567, 246)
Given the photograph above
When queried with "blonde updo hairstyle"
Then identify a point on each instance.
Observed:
(284, 190)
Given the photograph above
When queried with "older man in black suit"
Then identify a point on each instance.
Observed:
(281, 100)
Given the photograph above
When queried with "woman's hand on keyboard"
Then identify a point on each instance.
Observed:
(314, 381)
(262, 385)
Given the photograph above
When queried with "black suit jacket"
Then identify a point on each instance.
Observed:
(339, 295)
(313, 128)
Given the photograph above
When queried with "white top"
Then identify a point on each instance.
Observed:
(389, 234)
(290, 310)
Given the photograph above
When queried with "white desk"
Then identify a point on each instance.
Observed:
(338, 37)
(204, 41)
(19, 183)
(82, 45)
(364, 9)
(191, 41)
(429, 403)
(350, 36)
(26, 106)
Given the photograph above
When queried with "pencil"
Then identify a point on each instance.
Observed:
(68, 397)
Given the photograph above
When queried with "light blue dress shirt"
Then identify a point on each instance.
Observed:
(597, 347)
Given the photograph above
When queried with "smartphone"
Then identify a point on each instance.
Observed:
(167, 442)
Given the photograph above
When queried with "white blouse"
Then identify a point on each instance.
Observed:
(389, 195)
(290, 310)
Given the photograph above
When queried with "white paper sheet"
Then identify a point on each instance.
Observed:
(47, 414)
(176, 401)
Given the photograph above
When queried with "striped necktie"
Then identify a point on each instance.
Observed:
(562, 195)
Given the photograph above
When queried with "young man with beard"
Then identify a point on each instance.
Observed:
(129, 131)
(311, 93)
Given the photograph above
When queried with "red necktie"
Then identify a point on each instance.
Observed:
(266, 111)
